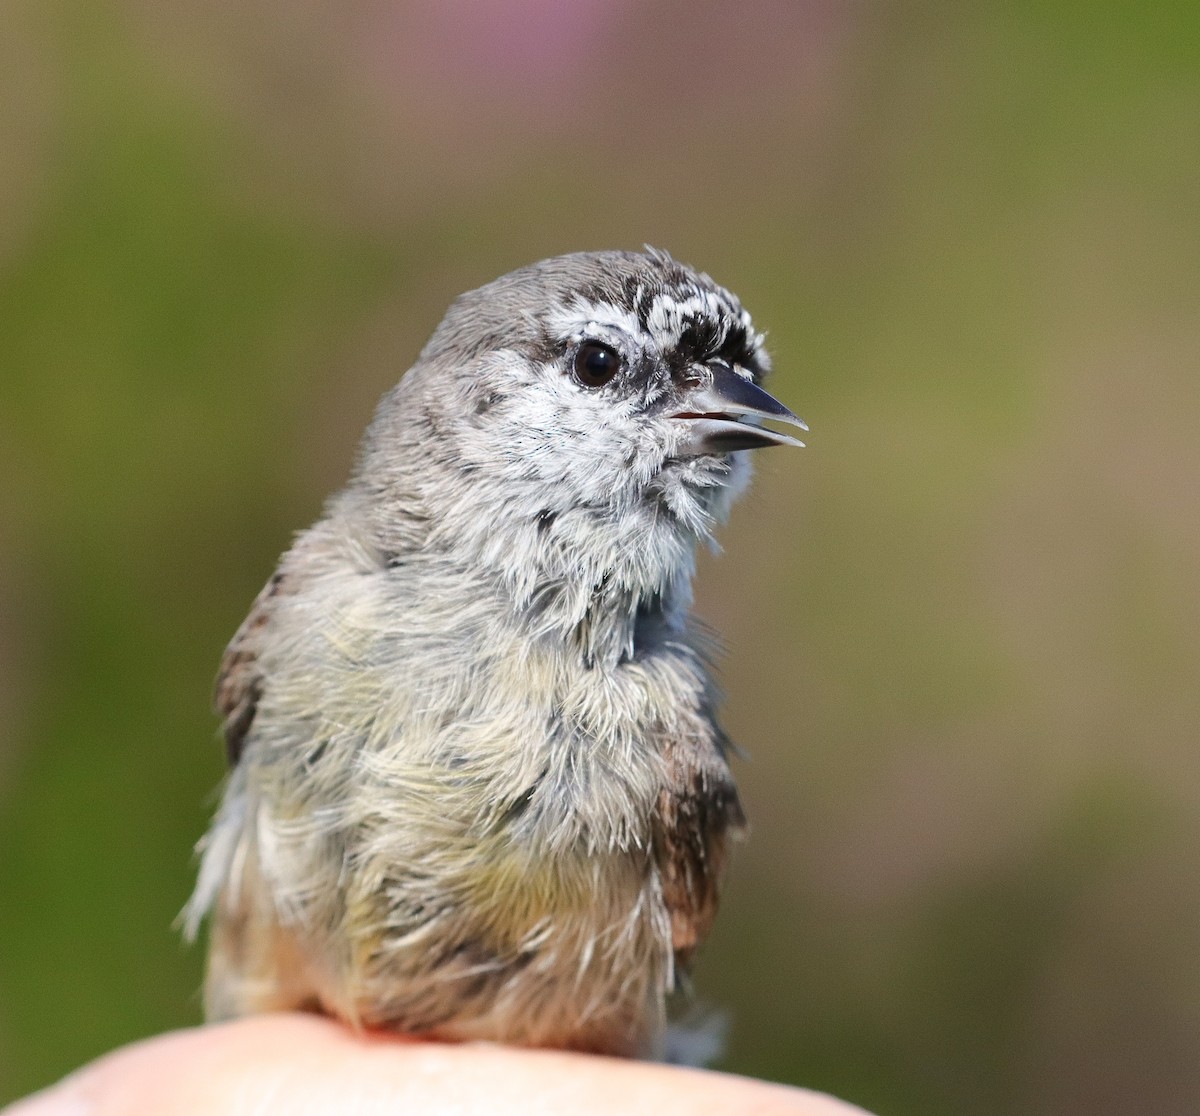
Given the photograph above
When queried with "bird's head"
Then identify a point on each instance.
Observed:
(585, 415)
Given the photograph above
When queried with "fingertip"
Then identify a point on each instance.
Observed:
(63, 1099)
(289, 1062)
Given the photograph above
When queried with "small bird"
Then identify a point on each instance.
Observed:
(478, 789)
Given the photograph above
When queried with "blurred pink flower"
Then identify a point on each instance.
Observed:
(534, 51)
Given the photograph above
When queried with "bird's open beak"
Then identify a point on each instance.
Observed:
(724, 414)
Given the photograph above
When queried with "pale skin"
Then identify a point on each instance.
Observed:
(311, 1065)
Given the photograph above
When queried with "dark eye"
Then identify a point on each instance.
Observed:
(596, 364)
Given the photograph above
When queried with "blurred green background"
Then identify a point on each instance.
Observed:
(963, 626)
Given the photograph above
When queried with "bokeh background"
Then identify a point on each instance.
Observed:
(963, 626)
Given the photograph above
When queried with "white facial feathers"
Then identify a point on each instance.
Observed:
(660, 321)
(580, 317)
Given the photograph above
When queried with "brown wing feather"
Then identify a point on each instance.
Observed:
(239, 681)
(697, 813)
